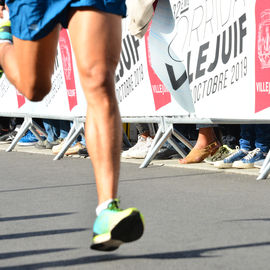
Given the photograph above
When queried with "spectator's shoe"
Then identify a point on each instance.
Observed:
(228, 162)
(249, 160)
(8, 138)
(4, 131)
(83, 152)
(167, 153)
(46, 144)
(140, 149)
(73, 150)
(57, 148)
(28, 139)
(115, 226)
(5, 35)
(222, 152)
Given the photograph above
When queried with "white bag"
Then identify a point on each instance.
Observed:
(140, 13)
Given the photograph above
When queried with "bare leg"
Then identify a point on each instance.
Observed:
(97, 46)
(205, 137)
(29, 64)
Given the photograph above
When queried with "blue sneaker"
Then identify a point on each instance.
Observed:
(115, 226)
(28, 139)
(249, 160)
(228, 161)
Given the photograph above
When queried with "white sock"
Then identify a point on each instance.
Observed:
(103, 206)
(5, 41)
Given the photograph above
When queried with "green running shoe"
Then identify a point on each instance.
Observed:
(5, 35)
(115, 226)
(5, 31)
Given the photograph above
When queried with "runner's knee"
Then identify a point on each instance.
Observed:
(96, 76)
(98, 82)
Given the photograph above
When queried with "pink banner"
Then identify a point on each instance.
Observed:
(66, 55)
(262, 56)
(161, 95)
(20, 99)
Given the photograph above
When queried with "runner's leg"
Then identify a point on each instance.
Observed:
(96, 40)
(97, 49)
(29, 64)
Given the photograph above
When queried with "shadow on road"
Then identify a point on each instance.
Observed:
(188, 254)
(5, 219)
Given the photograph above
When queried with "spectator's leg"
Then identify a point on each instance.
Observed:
(262, 139)
(143, 129)
(64, 127)
(50, 128)
(247, 137)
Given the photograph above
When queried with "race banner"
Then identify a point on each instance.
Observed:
(198, 59)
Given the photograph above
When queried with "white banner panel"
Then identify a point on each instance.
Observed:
(224, 46)
(140, 92)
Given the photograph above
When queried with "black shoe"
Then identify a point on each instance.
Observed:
(83, 152)
(8, 137)
(45, 144)
(167, 153)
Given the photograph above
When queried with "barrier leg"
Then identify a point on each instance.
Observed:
(76, 129)
(266, 161)
(264, 173)
(265, 169)
(177, 148)
(28, 123)
(34, 127)
(156, 148)
(24, 127)
(156, 138)
(167, 130)
(182, 139)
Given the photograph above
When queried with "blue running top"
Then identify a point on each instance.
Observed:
(34, 19)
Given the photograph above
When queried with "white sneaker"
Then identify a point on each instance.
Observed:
(140, 149)
(223, 152)
(57, 148)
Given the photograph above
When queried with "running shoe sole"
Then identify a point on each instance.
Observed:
(26, 144)
(242, 165)
(223, 165)
(127, 230)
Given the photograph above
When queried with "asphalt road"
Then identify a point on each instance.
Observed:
(195, 219)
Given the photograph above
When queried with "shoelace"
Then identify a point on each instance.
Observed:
(252, 153)
(114, 205)
(237, 149)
